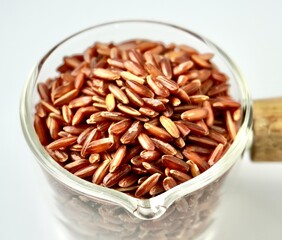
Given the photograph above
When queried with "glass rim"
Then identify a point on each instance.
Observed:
(157, 204)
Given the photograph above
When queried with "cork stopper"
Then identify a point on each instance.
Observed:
(267, 142)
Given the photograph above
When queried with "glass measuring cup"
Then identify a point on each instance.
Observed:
(88, 211)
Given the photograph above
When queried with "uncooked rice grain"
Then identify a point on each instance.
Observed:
(139, 116)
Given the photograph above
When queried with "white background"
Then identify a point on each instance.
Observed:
(249, 31)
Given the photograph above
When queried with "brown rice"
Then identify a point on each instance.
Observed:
(139, 117)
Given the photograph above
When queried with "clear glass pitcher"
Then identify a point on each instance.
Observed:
(88, 211)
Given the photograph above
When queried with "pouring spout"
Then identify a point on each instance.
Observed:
(149, 213)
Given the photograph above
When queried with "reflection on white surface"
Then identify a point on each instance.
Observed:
(251, 206)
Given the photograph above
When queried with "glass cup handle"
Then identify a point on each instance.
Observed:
(267, 130)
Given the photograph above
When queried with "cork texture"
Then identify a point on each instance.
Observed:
(267, 144)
